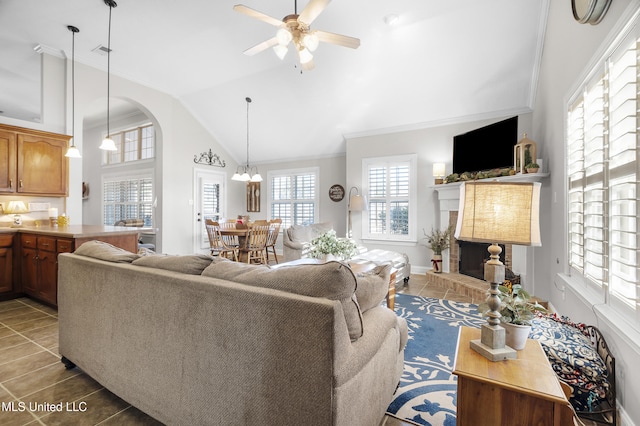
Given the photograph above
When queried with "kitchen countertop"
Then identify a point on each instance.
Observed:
(74, 231)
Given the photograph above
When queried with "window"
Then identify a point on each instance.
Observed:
(293, 196)
(602, 170)
(391, 194)
(129, 197)
(133, 145)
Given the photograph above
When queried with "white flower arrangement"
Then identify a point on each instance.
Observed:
(329, 243)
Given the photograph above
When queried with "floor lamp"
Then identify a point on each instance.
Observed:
(505, 213)
(357, 203)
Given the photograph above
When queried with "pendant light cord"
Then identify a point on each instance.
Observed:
(248, 102)
(109, 68)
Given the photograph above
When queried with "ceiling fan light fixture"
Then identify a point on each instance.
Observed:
(284, 37)
(310, 41)
(280, 50)
(305, 55)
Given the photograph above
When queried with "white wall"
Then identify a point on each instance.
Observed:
(433, 145)
(568, 50)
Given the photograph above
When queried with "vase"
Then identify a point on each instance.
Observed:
(436, 262)
(532, 170)
(329, 257)
(516, 335)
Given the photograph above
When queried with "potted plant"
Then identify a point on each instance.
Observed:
(329, 245)
(532, 167)
(517, 310)
(438, 241)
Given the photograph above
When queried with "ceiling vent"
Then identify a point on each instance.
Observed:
(101, 50)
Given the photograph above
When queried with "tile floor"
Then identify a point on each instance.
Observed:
(31, 371)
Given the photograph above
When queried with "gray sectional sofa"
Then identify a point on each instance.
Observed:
(197, 341)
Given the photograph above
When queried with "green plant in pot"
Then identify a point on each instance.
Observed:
(328, 244)
(532, 167)
(516, 310)
(438, 241)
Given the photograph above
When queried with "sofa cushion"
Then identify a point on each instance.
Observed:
(306, 233)
(105, 251)
(373, 287)
(331, 280)
(192, 264)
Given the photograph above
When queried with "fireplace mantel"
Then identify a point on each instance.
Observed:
(449, 199)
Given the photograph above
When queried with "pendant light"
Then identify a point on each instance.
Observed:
(73, 151)
(246, 173)
(107, 143)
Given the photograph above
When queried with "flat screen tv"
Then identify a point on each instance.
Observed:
(486, 148)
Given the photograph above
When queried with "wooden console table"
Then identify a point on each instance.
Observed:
(522, 391)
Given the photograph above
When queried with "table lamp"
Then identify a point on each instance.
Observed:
(357, 203)
(16, 208)
(438, 173)
(497, 212)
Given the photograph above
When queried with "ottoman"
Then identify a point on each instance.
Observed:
(399, 261)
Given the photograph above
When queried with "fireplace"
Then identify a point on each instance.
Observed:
(481, 254)
(472, 257)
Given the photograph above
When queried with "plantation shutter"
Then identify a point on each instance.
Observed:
(602, 171)
(294, 197)
(623, 179)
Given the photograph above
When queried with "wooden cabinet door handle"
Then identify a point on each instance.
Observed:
(21, 185)
(11, 183)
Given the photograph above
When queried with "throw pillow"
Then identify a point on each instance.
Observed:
(192, 264)
(331, 280)
(373, 287)
(105, 251)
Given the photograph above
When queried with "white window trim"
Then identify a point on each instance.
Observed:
(411, 237)
(289, 172)
(138, 174)
(593, 295)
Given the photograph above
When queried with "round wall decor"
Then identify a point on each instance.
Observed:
(336, 193)
(589, 11)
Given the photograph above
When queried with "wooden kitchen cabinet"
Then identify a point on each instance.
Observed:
(33, 162)
(6, 263)
(40, 265)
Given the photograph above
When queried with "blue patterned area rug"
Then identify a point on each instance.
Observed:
(427, 392)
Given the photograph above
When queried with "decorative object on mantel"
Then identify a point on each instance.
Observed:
(438, 173)
(532, 167)
(498, 212)
(438, 241)
(107, 143)
(16, 208)
(485, 174)
(246, 173)
(524, 152)
(209, 158)
(73, 151)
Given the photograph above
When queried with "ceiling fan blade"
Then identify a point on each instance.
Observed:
(258, 15)
(340, 40)
(261, 46)
(312, 10)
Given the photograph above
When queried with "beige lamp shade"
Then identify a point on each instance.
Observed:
(16, 207)
(438, 169)
(357, 203)
(499, 212)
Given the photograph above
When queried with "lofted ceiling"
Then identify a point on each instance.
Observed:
(445, 61)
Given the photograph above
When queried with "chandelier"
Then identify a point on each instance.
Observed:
(247, 173)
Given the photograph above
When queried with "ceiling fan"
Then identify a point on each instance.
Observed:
(296, 28)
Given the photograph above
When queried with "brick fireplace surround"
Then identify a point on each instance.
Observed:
(460, 283)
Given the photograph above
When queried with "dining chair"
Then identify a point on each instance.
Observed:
(255, 244)
(221, 245)
(274, 231)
